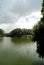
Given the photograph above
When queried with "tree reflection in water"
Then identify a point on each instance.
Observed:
(40, 49)
(1, 39)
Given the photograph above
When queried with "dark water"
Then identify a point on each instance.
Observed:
(18, 52)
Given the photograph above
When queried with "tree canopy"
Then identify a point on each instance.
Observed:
(1, 33)
(39, 34)
(20, 32)
(39, 28)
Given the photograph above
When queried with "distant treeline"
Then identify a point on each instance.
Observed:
(16, 33)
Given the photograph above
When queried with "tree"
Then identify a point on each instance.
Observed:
(16, 33)
(1, 33)
(42, 11)
(20, 32)
(39, 28)
(39, 34)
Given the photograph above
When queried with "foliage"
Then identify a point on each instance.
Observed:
(39, 34)
(40, 49)
(39, 28)
(1, 33)
(16, 32)
(7, 34)
(20, 32)
(42, 11)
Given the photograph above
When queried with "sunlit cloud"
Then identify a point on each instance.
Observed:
(24, 22)
(29, 21)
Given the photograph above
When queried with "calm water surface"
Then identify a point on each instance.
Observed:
(18, 52)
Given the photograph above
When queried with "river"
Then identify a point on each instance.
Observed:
(18, 52)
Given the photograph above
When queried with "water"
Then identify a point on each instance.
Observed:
(18, 52)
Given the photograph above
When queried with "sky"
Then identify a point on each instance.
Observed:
(19, 14)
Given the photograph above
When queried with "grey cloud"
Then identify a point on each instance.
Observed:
(12, 10)
(8, 18)
(24, 8)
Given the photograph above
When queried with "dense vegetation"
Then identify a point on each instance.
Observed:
(39, 28)
(1, 33)
(19, 33)
(39, 34)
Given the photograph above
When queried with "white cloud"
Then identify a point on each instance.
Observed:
(19, 13)
(24, 22)
(28, 21)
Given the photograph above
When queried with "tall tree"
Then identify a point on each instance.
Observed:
(42, 12)
(39, 28)
(39, 34)
(1, 33)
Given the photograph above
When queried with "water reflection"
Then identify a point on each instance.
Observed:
(18, 54)
(40, 49)
(1, 39)
(20, 40)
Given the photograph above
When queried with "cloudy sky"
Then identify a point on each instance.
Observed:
(19, 14)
